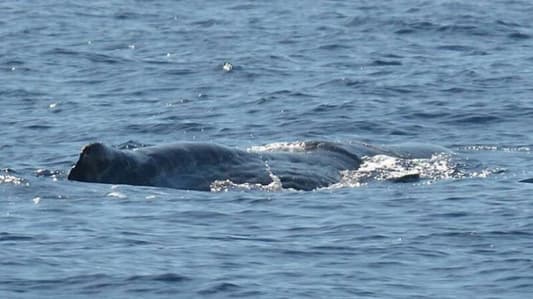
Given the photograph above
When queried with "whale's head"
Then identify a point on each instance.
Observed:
(94, 163)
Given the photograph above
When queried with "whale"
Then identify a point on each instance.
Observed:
(195, 166)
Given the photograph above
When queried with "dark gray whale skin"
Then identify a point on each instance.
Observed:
(194, 166)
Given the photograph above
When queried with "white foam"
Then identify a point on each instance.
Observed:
(385, 168)
(279, 147)
(228, 185)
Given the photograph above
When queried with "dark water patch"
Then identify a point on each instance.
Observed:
(401, 132)
(12, 62)
(209, 23)
(248, 6)
(179, 72)
(204, 214)
(165, 277)
(51, 284)
(299, 253)
(90, 56)
(508, 233)
(463, 29)
(343, 65)
(62, 51)
(180, 119)
(427, 115)
(478, 52)
(416, 27)
(343, 82)
(130, 15)
(337, 250)
(404, 89)
(451, 215)
(385, 63)
(482, 239)
(519, 36)
(359, 21)
(104, 58)
(325, 108)
(333, 47)
(456, 48)
(456, 198)
(530, 181)
(460, 90)
(472, 119)
(508, 23)
(220, 288)
(251, 239)
(38, 127)
(498, 81)
(8, 237)
(21, 93)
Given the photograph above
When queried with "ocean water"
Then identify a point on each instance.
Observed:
(455, 74)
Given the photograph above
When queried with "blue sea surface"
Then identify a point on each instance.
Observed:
(456, 74)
